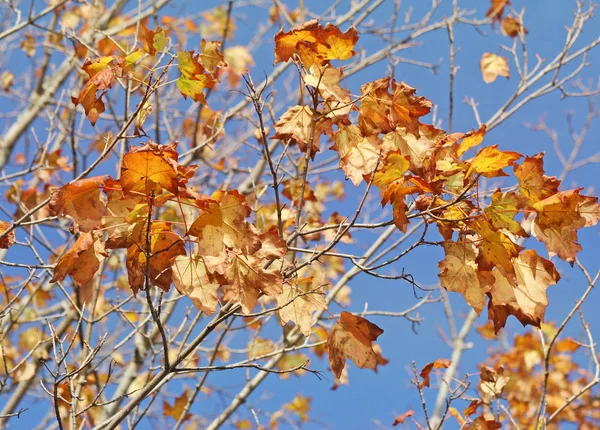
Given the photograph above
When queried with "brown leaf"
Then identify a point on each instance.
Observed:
(82, 201)
(352, 338)
(192, 278)
(440, 363)
(82, 260)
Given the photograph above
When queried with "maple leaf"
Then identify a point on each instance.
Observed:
(533, 184)
(165, 245)
(82, 201)
(82, 260)
(102, 73)
(559, 217)
(482, 423)
(440, 363)
(497, 9)
(193, 77)
(248, 278)
(314, 44)
(212, 59)
(352, 338)
(512, 27)
(192, 278)
(177, 411)
(496, 249)
(401, 418)
(502, 211)
(359, 155)
(459, 273)
(492, 66)
(8, 239)
(337, 100)
(297, 124)
(152, 41)
(471, 139)
(222, 223)
(298, 304)
(150, 169)
(381, 111)
(490, 161)
(523, 295)
(417, 149)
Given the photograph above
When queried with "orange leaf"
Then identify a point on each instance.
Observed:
(296, 124)
(150, 169)
(248, 278)
(165, 245)
(492, 66)
(82, 260)
(352, 338)
(496, 249)
(512, 27)
(82, 201)
(440, 363)
(502, 211)
(401, 418)
(9, 239)
(471, 139)
(222, 223)
(497, 9)
(177, 411)
(533, 184)
(153, 41)
(490, 161)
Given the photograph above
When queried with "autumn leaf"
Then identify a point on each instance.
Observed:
(459, 273)
(382, 111)
(298, 304)
(352, 338)
(165, 245)
(482, 423)
(523, 295)
(496, 249)
(559, 217)
(533, 184)
(401, 418)
(150, 169)
(359, 155)
(492, 66)
(512, 27)
(314, 44)
(222, 223)
(177, 411)
(336, 99)
(296, 124)
(193, 77)
(82, 201)
(418, 150)
(248, 278)
(490, 161)
(82, 260)
(212, 58)
(192, 278)
(9, 238)
(440, 363)
(152, 40)
(470, 140)
(502, 211)
(496, 9)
